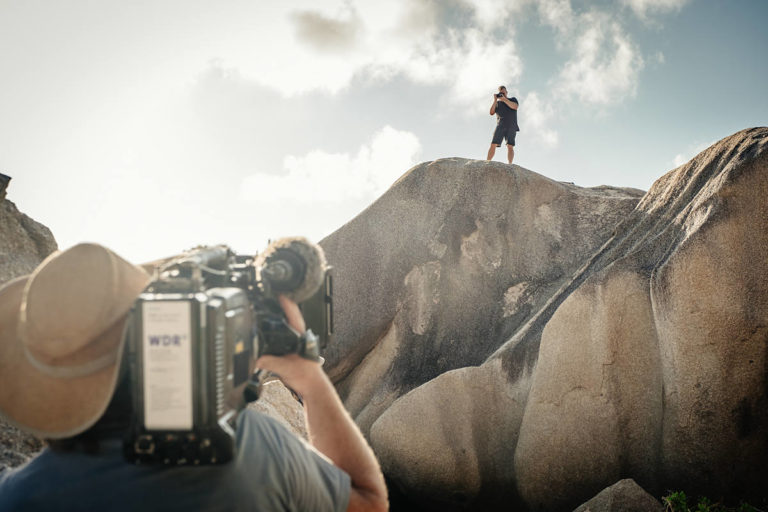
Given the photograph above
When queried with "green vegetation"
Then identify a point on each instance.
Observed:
(678, 502)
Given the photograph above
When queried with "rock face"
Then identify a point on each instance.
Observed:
(509, 341)
(276, 401)
(23, 244)
(447, 265)
(623, 496)
(433, 279)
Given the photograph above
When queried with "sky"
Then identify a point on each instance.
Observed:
(153, 126)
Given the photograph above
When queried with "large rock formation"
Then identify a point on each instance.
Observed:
(510, 341)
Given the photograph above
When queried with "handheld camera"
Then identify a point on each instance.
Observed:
(194, 334)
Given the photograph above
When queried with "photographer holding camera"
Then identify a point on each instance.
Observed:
(505, 110)
(64, 376)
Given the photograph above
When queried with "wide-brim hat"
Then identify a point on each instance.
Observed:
(61, 339)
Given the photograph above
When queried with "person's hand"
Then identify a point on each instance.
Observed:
(298, 373)
(292, 313)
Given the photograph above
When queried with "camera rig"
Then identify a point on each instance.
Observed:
(194, 334)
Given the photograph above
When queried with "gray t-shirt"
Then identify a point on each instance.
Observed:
(273, 470)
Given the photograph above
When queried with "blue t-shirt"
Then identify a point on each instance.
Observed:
(273, 470)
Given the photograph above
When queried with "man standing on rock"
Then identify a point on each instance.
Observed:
(506, 123)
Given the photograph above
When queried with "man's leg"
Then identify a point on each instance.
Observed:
(511, 144)
(496, 140)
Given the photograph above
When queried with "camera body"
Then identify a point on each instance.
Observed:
(499, 95)
(193, 336)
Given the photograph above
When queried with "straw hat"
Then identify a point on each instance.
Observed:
(61, 339)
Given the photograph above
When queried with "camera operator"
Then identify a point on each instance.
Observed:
(63, 377)
(505, 110)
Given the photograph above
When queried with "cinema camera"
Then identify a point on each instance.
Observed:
(194, 333)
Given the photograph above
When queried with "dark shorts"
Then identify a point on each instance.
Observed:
(504, 132)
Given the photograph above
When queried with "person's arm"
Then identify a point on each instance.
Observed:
(493, 105)
(511, 104)
(331, 429)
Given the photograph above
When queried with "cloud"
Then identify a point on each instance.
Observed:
(326, 34)
(679, 160)
(461, 46)
(602, 66)
(494, 14)
(322, 177)
(690, 152)
(471, 62)
(538, 117)
(557, 14)
(605, 63)
(642, 8)
(429, 43)
(320, 191)
(483, 64)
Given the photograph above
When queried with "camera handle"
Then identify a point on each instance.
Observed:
(280, 339)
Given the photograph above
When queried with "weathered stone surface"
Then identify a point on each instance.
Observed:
(450, 239)
(16, 447)
(655, 366)
(23, 242)
(4, 180)
(437, 275)
(623, 496)
(278, 402)
(498, 359)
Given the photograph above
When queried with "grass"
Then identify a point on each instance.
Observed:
(678, 502)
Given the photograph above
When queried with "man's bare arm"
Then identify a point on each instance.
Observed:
(493, 105)
(331, 429)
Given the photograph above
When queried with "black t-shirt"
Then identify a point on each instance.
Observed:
(506, 115)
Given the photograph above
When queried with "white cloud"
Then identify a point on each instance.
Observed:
(538, 117)
(466, 59)
(690, 152)
(643, 7)
(326, 34)
(557, 13)
(679, 160)
(322, 177)
(463, 46)
(473, 64)
(602, 66)
(321, 191)
(605, 63)
(331, 44)
(495, 13)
